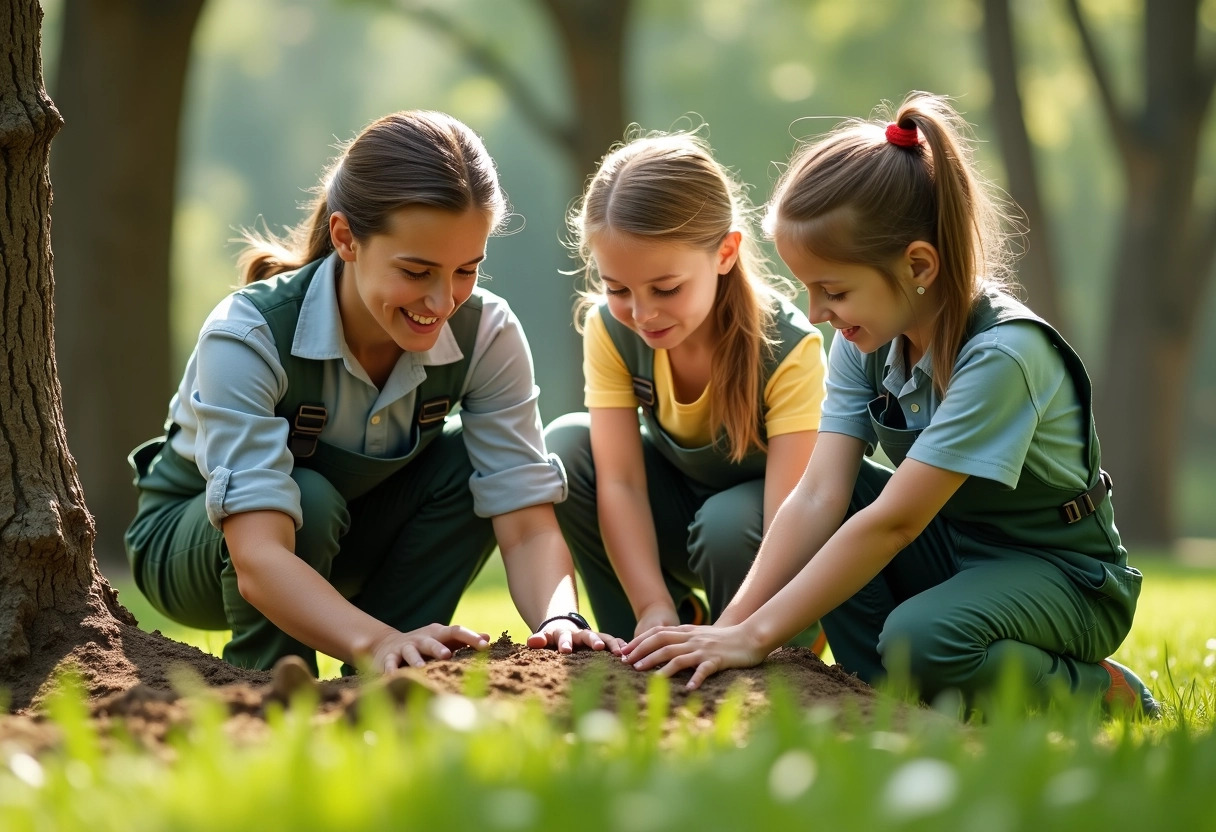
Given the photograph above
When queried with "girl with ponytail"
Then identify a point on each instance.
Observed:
(314, 489)
(681, 318)
(992, 546)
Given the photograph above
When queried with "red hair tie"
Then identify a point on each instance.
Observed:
(901, 137)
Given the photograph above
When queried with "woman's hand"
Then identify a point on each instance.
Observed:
(396, 649)
(659, 614)
(706, 649)
(566, 636)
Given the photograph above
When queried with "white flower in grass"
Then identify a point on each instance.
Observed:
(920, 787)
(600, 726)
(27, 769)
(791, 775)
(457, 712)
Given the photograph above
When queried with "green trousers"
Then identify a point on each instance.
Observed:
(707, 540)
(957, 614)
(404, 552)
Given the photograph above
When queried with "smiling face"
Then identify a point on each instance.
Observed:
(400, 286)
(661, 290)
(859, 301)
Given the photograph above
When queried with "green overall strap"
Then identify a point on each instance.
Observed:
(994, 308)
(639, 358)
(441, 388)
(708, 464)
(279, 299)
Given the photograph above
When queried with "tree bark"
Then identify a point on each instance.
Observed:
(1164, 264)
(1036, 268)
(121, 85)
(55, 606)
(48, 577)
(592, 35)
(1164, 256)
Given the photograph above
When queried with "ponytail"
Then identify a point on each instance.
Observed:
(416, 157)
(868, 189)
(266, 255)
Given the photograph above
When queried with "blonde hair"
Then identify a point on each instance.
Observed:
(416, 157)
(668, 188)
(854, 197)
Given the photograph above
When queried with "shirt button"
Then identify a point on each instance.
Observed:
(375, 420)
(915, 408)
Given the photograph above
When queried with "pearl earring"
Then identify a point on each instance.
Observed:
(920, 290)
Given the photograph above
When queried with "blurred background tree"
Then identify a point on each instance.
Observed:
(270, 86)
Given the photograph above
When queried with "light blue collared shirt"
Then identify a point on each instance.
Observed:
(233, 380)
(1011, 404)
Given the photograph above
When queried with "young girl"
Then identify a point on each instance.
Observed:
(993, 542)
(311, 493)
(683, 322)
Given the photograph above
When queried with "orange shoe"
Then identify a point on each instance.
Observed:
(1127, 693)
(692, 610)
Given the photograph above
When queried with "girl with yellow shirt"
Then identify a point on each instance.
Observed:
(703, 385)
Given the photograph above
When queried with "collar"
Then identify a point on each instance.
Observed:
(894, 377)
(319, 333)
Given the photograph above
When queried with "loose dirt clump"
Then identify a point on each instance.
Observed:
(168, 700)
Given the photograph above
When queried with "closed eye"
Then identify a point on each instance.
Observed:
(666, 293)
(829, 296)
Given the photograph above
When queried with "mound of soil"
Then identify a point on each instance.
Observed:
(161, 697)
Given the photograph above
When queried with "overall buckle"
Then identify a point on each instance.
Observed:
(306, 430)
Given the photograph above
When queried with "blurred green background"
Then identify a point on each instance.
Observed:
(272, 85)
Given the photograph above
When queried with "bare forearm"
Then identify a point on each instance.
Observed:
(304, 605)
(540, 577)
(629, 538)
(844, 564)
(798, 530)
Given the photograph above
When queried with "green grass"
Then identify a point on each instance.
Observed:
(453, 763)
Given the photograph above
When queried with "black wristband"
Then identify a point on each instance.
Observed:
(569, 616)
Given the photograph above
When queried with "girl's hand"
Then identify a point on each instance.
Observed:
(656, 615)
(706, 649)
(566, 636)
(395, 649)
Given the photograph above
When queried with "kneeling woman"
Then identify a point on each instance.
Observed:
(311, 492)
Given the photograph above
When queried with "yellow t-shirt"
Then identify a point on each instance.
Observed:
(793, 397)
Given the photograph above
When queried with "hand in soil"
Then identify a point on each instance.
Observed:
(434, 641)
(566, 636)
(705, 649)
(657, 615)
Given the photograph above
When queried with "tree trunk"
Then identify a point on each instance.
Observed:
(55, 606)
(1164, 254)
(1036, 268)
(592, 35)
(1158, 279)
(121, 81)
(48, 577)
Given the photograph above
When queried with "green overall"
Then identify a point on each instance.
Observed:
(708, 511)
(399, 541)
(1034, 577)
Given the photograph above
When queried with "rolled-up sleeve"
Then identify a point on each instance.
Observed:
(502, 427)
(241, 446)
(846, 406)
